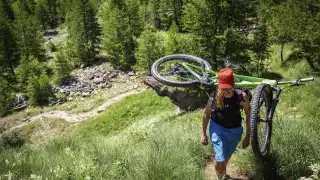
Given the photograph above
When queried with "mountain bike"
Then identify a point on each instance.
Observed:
(182, 70)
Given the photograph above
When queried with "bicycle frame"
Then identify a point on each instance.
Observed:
(241, 81)
(274, 103)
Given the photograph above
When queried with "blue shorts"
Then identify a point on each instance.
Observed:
(224, 141)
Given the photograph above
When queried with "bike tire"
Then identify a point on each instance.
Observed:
(262, 95)
(163, 80)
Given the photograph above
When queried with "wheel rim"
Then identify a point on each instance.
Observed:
(262, 124)
(173, 70)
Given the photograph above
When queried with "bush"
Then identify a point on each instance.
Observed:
(39, 89)
(5, 97)
(178, 43)
(150, 48)
(12, 140)
(28, 67)
(61, 67)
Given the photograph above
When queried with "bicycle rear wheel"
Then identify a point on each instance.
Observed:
(169, 70)
(260, 127)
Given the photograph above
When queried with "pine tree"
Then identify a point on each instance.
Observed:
(29, 38)
(83, 31)
(150, 48)
(53, 12)
(121, 28)
(62, 67)
(5, 97)
(29, 66)
(210, 19)
(39, 89)
(297, 22)
(9, 56)
(42, 14)
(260, 47)
(173, 38)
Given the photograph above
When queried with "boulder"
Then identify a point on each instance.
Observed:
(98, 80)
(187, 99)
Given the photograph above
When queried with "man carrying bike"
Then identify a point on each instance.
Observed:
(225, 127)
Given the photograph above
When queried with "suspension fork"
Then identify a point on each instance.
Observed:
(274, 103)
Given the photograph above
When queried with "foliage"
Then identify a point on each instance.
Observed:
(39, 89)
(210, 20)
(9, 56)
(29, 67)
(61, 67)
(6, 97)
(121, 27)
(150, 48)
(83, 31)
(260, 46)
(12, 140)
(316, 173)
(296, 21)
(29, 39)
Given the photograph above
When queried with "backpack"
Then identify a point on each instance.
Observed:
(240, 98)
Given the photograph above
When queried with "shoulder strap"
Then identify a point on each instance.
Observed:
(239, 95)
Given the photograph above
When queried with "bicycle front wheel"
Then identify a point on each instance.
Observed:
(169, 70)
(260, 127)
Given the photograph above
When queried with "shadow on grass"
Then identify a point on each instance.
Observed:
(267, 168)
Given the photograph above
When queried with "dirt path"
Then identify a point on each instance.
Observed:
(72, 117)
(231, 171)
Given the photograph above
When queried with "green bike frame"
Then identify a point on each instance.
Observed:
(241, 81)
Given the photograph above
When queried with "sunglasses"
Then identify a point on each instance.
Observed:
(226, 89)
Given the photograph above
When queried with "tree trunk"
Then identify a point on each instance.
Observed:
(282, 46)
(12, 70)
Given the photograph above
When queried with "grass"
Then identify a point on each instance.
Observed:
(140, 137)
(295, 141)
(77, 105)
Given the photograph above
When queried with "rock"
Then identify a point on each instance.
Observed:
(19, 102)
(113, 74)
(85, 94)
(135, 87)
(26, 119)
(187, 99)
(132, 73)
(98, 80)
(91, 77)
(69, 98)
(71, 93)
(100, 110)
(108, 85)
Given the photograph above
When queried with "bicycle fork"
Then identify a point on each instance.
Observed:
(274, 103)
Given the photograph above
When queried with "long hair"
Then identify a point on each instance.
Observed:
(219, 99)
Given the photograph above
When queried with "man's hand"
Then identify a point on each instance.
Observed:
(246, 142)
(204, 139)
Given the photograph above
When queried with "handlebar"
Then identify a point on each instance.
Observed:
(296, 82)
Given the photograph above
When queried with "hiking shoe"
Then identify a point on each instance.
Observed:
(226, 177)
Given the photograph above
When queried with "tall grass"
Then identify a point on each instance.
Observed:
(295, 142)
(140, 137)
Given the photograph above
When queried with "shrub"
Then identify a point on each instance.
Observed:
(5, 97)
(12, 139)
(61, 67)
(39, 89)
(150, 48)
